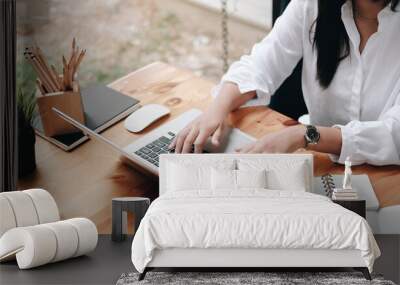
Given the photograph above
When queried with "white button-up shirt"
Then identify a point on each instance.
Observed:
(364, 97)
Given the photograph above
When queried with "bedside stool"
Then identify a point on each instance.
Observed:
(136, 205)
(356, 206)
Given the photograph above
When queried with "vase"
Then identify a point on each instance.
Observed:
(26, 150)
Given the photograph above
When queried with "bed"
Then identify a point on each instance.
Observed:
(247, 211)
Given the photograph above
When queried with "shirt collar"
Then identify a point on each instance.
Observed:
(347, 10)
(384, 18)
(349, 23)
(386, 13)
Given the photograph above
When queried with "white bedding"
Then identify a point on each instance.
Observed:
(250, 218)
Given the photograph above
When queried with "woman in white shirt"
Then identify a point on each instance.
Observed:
(350, 82)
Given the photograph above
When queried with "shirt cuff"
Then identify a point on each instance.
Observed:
(348, 147)
(262, 99)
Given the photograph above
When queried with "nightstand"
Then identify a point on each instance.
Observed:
(356, 206)
(136, 205)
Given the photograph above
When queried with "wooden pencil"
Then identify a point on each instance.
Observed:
(71, 65)
(39, 72)
(45, 74)
(42, 69)
(65, 73)
(40, 86)
(49, 80)
(46, 67)
(80, 58)
(59, 80)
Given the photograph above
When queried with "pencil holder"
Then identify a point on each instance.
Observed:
(68, 102)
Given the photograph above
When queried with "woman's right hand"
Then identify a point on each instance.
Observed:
(210, 123)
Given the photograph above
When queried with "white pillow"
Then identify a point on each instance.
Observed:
(251, 178)
(223, 179)
(226, 179)
(186, 176)
(181, 177)
(295, 180)
(282, 174)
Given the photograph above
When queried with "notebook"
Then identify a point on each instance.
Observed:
(102, 106)
(324, 185)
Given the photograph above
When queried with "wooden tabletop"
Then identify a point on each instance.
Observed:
(84, 181)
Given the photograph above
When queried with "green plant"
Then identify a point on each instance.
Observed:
(26, 99)
(26, 77)
(26, 103)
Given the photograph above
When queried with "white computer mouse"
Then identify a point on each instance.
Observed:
(144, 117)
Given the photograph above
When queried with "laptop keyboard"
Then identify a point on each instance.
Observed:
(152, 151)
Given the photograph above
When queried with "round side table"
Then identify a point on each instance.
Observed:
(120, 206)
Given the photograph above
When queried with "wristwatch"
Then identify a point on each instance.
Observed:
(312, 135)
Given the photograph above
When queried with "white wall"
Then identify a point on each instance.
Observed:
(258, 12)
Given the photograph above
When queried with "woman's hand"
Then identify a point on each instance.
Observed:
(210, 123)
(284, 141)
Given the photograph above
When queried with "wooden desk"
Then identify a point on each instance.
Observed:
(84, 181)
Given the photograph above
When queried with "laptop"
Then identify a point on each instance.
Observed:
(144, 152)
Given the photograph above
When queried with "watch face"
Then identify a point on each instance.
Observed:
(312, 134)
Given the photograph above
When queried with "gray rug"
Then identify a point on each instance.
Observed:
(243, 278)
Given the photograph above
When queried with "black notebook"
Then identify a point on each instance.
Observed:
(102, 106)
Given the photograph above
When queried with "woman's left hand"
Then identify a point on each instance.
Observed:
(283, 141)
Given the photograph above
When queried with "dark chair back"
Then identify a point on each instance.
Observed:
(288, 99)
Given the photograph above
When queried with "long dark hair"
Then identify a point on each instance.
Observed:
(331, 40)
